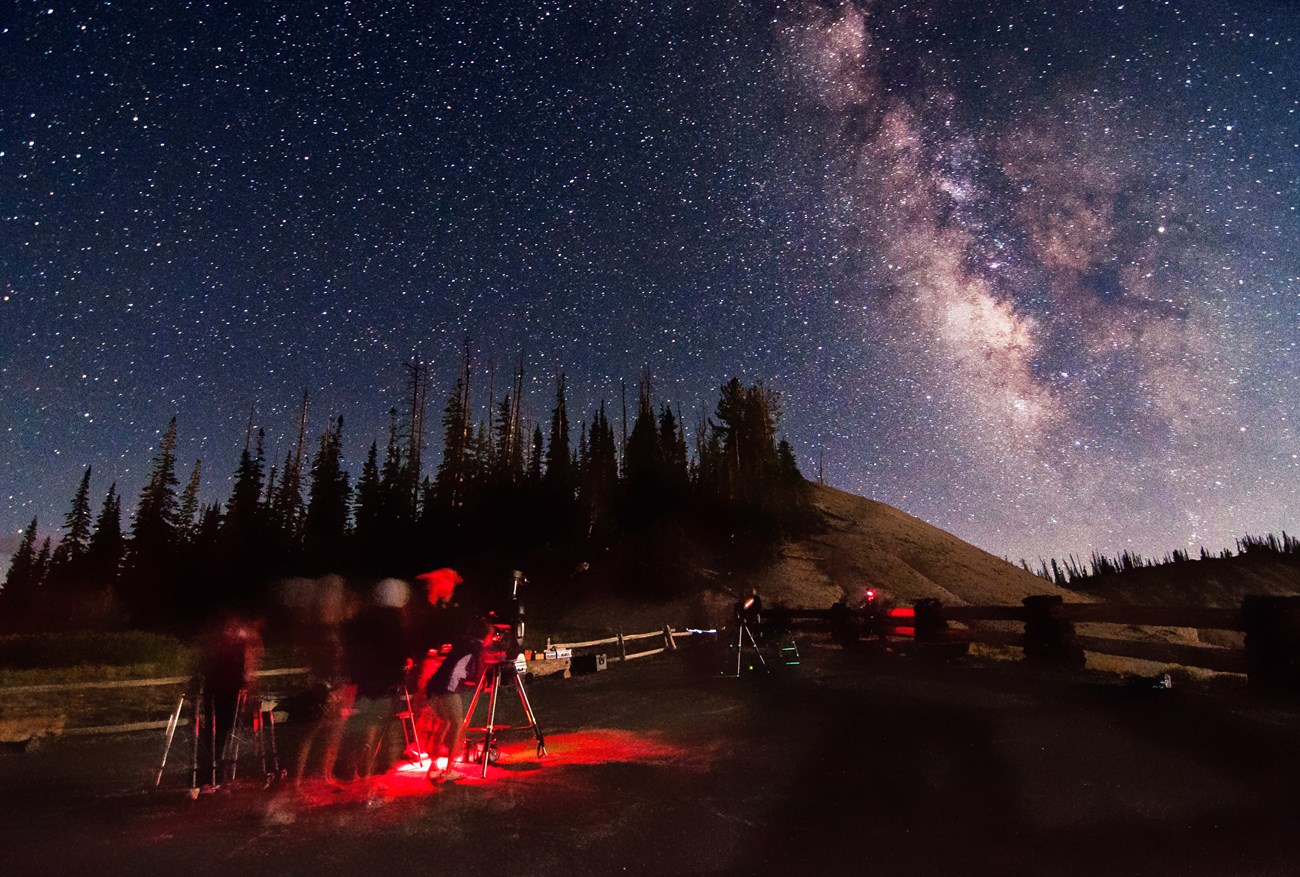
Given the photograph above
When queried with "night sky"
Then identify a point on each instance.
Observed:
(1029, 271)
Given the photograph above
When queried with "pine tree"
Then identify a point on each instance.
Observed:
(643, 464)
(449, 483)
(67, 558)
(326, 526)
(559, 465)
(20, 582)
(787, 466)
(188, 516)
(244, 510)
(747, 423)
(148, 582)
(107, 545)
(154, 527)
(418, 384)
(41, 569)
(286, 506)
(599, 470)
(535, 457)
(672, 444)
(368, 513)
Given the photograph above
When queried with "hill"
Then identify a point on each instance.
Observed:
(860, 543)
(866, 543)
(1216, 582)
(863, 543)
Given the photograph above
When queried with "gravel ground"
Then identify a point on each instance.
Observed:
(847, 764)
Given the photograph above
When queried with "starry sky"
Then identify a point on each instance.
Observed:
(1029, 271)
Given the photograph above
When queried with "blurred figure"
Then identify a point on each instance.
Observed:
(437, 622)
(463, 666)
(230, 654)
(321, 648)
(375, 658)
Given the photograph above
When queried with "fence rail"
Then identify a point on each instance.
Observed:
(20, 727)
(1271, 654)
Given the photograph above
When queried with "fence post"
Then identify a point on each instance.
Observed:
(1272, 626)
(929, 625)
(622, 646)
(669, 643)
(1049, 635)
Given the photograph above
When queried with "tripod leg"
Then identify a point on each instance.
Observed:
(196, 704)
(212, 737)
(373, 754)
(410, 733)
(275, 754)
(532, 718)
(492, 715)
(484, 681)
(740, 645)
(753, 642)
(259, 739)
(172, 722)
(230, 747)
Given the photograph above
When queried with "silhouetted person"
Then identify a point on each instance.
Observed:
(229, 656)
(462, 667)
(322, 650)
(375, 657)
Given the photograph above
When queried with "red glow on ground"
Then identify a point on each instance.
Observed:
(905, 631)
(519, 762)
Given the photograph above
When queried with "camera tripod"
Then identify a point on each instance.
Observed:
(743, 634)
(203, 723)
(403, 712)
(496, 675)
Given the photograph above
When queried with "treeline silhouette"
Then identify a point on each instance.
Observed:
(627, 506)
(1074, 573)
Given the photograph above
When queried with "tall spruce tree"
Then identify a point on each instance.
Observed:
(559, 462)
(20, 582)
(187, 519)
(154, 525)
(326, 526)
(535, 457)
(148, 584)
(599, 478)
(643, 464)
(368, 514)
(71, 550)
(107, 545)
(244, 510)
(449, 483)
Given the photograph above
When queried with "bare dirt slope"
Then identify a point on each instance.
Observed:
(1213, 582)
(862, 543)
(869, 544)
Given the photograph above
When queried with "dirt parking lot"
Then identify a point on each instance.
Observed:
(846, 764)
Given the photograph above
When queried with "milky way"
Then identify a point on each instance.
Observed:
(1030, 273)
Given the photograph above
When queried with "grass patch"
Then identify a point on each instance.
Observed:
(78, 649)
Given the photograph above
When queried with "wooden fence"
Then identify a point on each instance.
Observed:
(1045, 627)
(44, 699)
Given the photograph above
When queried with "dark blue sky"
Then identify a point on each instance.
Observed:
(1030, 273)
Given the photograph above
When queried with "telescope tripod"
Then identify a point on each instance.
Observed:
(745, 635)
(222, 762)
(403, 712)
(488, 750)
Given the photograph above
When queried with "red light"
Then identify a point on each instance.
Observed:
(902, 612)
(871, 595)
